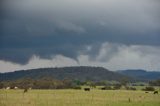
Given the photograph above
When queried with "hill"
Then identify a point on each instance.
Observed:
(80, 73)
(141, 74)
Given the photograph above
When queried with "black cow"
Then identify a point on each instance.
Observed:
(86, 89)
(155, 92)
(103, 88)
(25, 90)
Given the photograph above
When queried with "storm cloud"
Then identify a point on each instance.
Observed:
(94, 29)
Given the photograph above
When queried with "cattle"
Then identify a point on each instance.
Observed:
(86, 89)
(103, 88)
(146, 92)
(15, 87)
(8, 88)
(155, 92)
(25, 90)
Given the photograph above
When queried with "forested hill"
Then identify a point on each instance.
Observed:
(141, 74)
(80, 73)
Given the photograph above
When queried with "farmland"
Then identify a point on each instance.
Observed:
(70, 97)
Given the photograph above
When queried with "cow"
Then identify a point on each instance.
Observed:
(146, 92)
(86, 89)
(155, 92)
(25, 90)
(8, 88)
(15, 87)
(103, 88)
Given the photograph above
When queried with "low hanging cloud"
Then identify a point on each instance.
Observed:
(111, 56)
(37, 62)
(80, 28)
(119, 57)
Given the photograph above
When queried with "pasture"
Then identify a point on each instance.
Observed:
(78, 98)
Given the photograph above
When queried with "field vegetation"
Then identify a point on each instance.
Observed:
(53, 92)
(72, 97)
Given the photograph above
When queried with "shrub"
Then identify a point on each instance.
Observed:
(149, 89)
(155, 83)
(133, 88)
(1, 85)
(76, 87)
(130, 88)
(108, 87)
(117, 86)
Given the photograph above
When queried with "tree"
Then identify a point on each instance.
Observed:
(155, 83)
(1, 85)
(124, 82)
(149, 89)
(117, 86)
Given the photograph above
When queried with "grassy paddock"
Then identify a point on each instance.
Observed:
(78, 98)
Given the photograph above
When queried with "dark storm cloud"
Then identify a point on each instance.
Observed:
(47, 28)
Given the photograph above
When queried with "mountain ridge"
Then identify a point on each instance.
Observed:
(140, 74)
(80, 72)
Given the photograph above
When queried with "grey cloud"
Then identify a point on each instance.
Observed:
(70, 27)
(50, 27)
(125, 57)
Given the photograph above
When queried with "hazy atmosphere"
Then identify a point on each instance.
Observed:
(115, 34)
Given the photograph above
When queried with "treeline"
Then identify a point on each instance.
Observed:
(50, 83)
(43, 83)
(155, 83)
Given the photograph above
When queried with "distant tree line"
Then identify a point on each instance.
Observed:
(43, 83)
(50, 83)
(154, 83)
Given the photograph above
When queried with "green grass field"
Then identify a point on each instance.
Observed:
(78, 98)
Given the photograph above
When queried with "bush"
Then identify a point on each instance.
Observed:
(149, 89)
(141, 85)
(155, 83)
(117, 86)
(108, 87)
(130, 88)
(1, 85)
(76, 87)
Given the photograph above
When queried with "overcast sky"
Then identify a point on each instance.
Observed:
(115, 34)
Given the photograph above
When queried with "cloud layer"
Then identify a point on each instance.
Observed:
(111, 56)
(80, 28)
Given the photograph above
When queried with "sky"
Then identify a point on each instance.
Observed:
(115, 34)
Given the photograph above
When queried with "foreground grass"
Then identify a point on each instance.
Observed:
(78, 98)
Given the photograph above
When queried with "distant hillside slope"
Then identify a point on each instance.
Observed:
(81, 73)
(141, 74)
